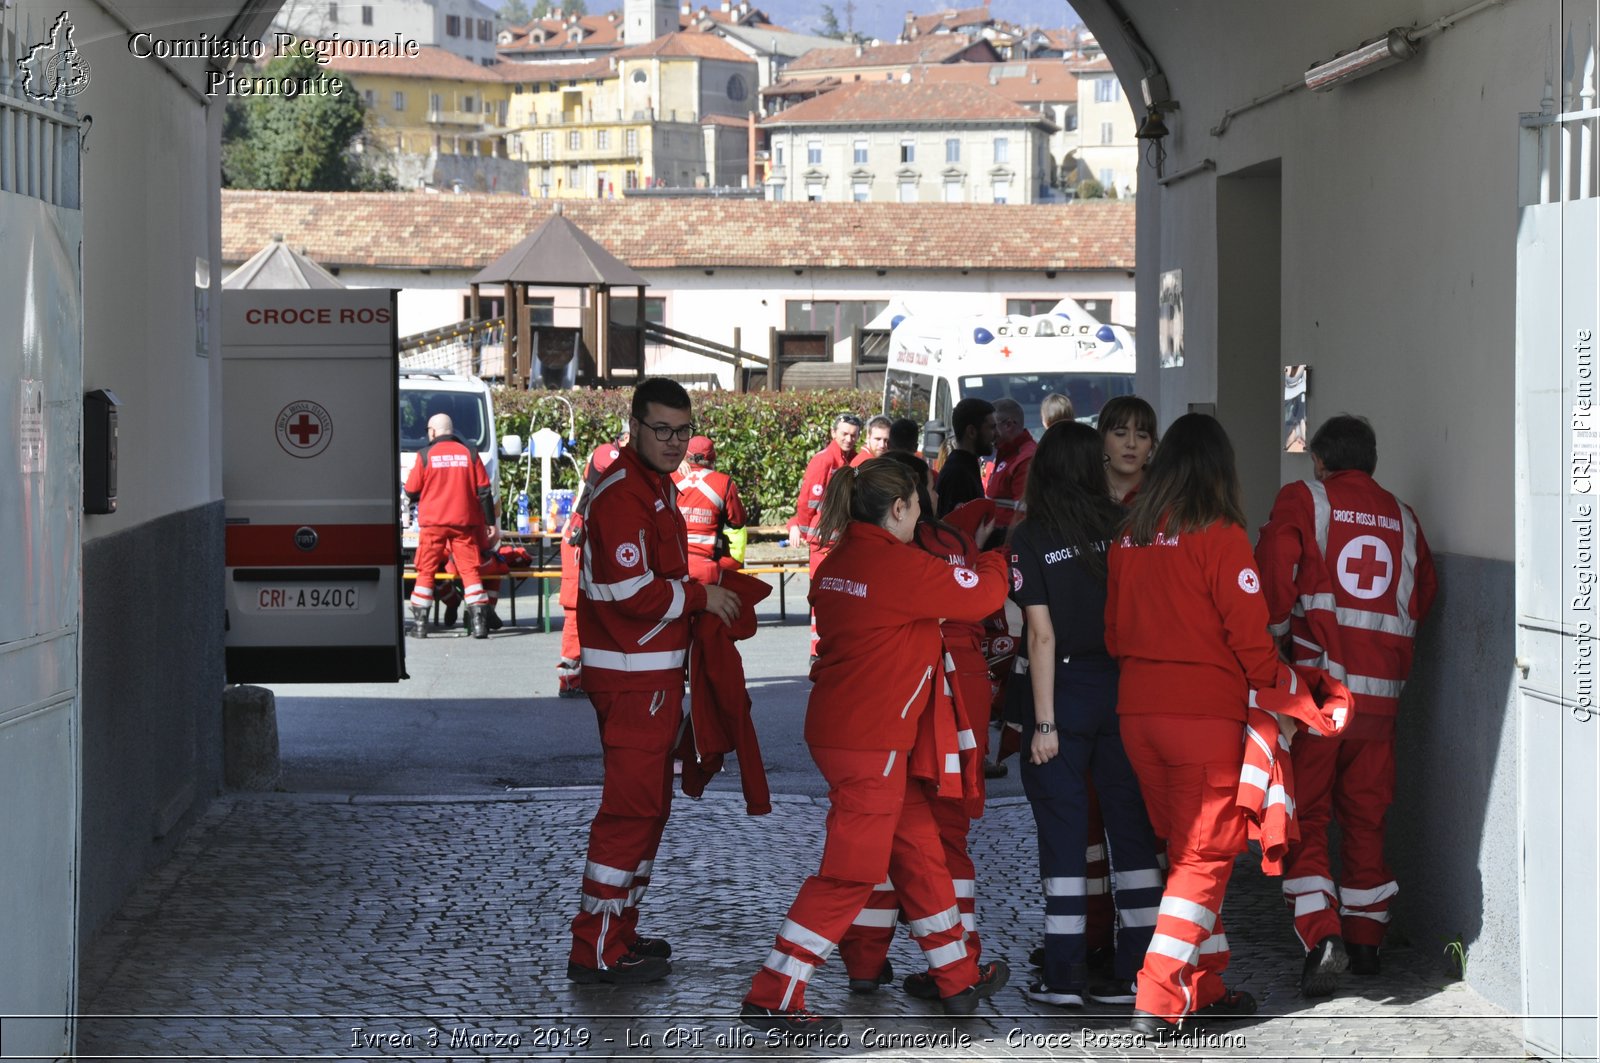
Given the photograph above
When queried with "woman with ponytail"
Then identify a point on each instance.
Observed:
(1187, 623)
(872, 713)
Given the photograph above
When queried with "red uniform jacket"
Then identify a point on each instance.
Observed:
(1348, 575)
(634, 594)
(719, 702)
(709, 500)
(1266, 779)
(450, 486)
(880, 656)
(1187, 622)
(593, 473)
(808, 507)
(1010, 475)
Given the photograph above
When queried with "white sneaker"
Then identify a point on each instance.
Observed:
(1037, 990)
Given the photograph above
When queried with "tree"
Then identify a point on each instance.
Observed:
(1089, 188)
(568, 7)
(300, 141)
(514, 13)
(830, 24)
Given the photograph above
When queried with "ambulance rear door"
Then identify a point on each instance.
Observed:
(310, 448)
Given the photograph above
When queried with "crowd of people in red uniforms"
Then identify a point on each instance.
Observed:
(1181, 692)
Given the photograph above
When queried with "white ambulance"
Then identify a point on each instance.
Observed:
(470, 404)
(934, 363)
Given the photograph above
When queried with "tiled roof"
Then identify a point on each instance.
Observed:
(597, 31)
(938, 49)
(527, 73)
(430, 63)
(685, 46)
(737, 15)
(1036, 81)
(950, 19)
(801, 86)
(891, 101)
(725, 119)
(1100, 65)
(412, 230)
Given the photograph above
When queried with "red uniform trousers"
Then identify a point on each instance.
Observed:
(638, 731)
(1188, 769)
(433, 541)
(815, 559)
(489, 566)
(865, 947)
(880, 826)
(1353, 779)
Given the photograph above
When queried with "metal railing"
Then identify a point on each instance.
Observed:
(39, 126)
(1560, 163)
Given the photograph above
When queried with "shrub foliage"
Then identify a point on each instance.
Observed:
(764, 439)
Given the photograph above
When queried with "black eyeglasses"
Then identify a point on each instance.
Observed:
(664, 432)
(848, 418)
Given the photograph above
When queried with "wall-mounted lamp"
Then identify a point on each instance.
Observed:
(1153, 131)
(881, 272)
(709, 272)
(798, 272)
(1050, 274)
(1393, 47)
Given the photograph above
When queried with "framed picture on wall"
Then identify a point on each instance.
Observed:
(1170, 303)
(1295, 381)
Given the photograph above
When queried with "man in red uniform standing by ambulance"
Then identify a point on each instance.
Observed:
(1013, 453)
(454, 501)
(709, 501)
(635, 601)
(838, 454)
(1348, 577)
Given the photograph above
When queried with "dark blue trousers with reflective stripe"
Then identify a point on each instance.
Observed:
(1091, 743)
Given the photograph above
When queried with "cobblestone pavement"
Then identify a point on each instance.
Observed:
(328, 927)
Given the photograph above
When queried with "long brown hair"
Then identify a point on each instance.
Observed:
(1192, 482)
(865, 492)
(1066, 492)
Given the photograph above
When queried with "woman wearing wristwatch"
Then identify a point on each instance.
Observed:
(1058, 578)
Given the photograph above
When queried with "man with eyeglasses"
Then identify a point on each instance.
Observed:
(838, 454)
(1013, 453)
(635, 600)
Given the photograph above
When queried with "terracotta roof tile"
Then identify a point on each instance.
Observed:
(891, 101)
(941, 48)
(950, 19)
(408, 230)
(1036, 81)
(527, 73)
(431, 62)
(686, 46)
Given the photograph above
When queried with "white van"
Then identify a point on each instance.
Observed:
(470, 404)
(935, 363)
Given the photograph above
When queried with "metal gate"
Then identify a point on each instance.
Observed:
(41, 386)
(1558, 559)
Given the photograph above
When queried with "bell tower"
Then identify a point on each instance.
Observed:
(645, 20)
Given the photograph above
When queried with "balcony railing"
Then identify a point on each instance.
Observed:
(440, 116)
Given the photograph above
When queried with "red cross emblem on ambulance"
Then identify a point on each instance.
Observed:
(304, 428)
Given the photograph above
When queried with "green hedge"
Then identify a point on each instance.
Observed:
(764, 439)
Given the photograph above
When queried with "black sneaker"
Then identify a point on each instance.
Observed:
(1044, 994)
(795, 1023)
(1364, 960)
(631, 969)
(657, 947)
(1324, 965)
(1036, 957)
(995, 769)
(870, 985)
(1154, 1026)
(921, 986)
(1111, 991)
(992, 977)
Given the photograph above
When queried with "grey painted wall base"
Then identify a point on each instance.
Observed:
(1453, 834)
(152, 697)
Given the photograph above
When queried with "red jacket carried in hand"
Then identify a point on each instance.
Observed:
(880, 657)
(1321, 704)
(1348, 575)
(450, 486)
(1187, 622)
(634, 594)
(719, 702)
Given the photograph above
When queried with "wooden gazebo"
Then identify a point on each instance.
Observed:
(558, 254)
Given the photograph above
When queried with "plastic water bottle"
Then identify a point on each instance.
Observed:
(524, 514)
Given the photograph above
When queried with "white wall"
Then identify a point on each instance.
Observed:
(139, 249)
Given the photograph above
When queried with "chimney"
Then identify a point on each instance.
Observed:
(859, 50)
(685, 9)
(727, 5)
